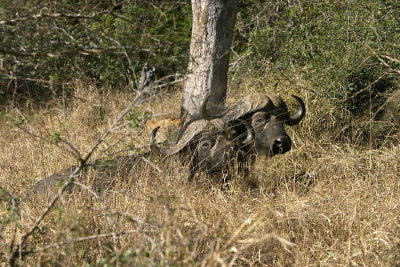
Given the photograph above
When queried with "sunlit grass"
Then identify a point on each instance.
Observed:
(326, 202)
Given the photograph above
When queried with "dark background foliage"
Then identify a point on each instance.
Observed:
(56, 42)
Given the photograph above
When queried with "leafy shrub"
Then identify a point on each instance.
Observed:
(367, 88)
(340, 48)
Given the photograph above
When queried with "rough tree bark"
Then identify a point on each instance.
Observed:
(212, 31)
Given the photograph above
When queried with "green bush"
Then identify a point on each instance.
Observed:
(367, 88)
(329, 41)
(159, 36)
(337, 47)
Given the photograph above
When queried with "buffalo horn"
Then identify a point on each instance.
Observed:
(205, 115)
(296, 118)
(250, 133)
(152, 139)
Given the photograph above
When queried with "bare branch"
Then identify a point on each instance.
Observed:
(58, 15)
(104, 136)
(151, 164)
(18, 249)
(71, 179)
(72, 53)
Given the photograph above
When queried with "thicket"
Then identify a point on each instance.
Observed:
(338, 45)
(48, 44)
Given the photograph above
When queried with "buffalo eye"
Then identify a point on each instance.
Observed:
(205, 144)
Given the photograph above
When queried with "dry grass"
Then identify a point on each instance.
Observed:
(323, 203)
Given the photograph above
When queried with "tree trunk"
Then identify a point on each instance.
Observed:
(212, 31)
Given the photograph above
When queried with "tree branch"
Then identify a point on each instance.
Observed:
(61, 15)
(15, 252)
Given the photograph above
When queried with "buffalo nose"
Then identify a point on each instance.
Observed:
(281, 145)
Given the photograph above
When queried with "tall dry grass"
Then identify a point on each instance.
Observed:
(325, 202)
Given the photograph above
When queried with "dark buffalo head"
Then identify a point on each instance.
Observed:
(267, 123)
(217, 148)
(270, 137)
(214, 153)
(209, 145)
